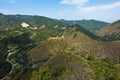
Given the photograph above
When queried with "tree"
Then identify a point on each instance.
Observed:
(41, 74)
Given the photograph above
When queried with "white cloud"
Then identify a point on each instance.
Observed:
(6, 11)
(74, 2)
(80, 4)
(100, 7)
(60, 13)
(105, 12)
(12, 1)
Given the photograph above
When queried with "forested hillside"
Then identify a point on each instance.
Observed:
(110, 32)
(90, 25)
(40, 48)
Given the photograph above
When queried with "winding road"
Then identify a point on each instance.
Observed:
(12, 64)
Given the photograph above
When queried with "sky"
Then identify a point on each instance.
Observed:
(103, 10)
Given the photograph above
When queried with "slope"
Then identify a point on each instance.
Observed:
(13, 36)
(33, 21)
(110, 32)
(73, 53)
(90, 25)
(76, 57)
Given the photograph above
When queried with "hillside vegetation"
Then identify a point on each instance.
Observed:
(110, 32)
(76, 57)
(46, 49)
(90, 25)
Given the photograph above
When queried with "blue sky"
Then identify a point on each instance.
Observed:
(104, 10)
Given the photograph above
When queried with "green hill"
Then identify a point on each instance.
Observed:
(13, 36)
(90, 25)
(110, 32)
(76, 57)
(40, 21)
(33, 21)
(49, 50)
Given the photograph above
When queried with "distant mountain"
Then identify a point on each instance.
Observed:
(40, 21)
(33, 21)
(91, 25)
(110, 32)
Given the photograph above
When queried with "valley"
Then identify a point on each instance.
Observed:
(41, 48)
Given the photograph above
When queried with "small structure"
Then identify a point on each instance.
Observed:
(24, 25)
(42, 26)
(56, 26)
(50, 38)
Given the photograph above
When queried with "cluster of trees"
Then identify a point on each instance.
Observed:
(5, 67)
(42, 74)
(90, 25)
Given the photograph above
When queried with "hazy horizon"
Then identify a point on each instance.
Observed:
(102, 10)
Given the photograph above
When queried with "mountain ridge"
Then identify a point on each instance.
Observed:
(75, 47)
(49, 50)
(16, 20)
(91, 25)
(110, 32)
